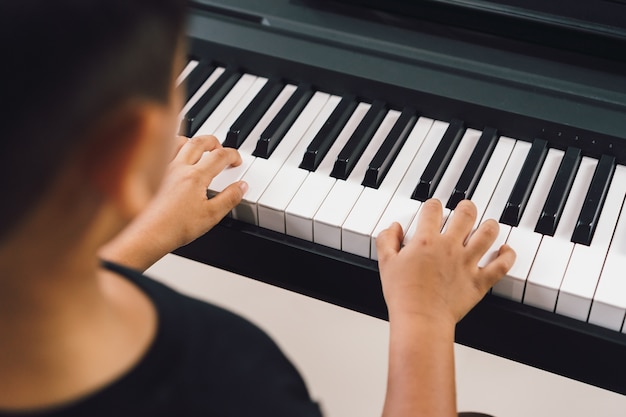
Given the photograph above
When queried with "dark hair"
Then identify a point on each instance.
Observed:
(64, 64)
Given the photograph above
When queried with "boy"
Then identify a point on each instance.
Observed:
(89, 117)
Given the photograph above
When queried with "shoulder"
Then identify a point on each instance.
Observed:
(225, 363)
(197, 321)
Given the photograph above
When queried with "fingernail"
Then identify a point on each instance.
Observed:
(244, 186)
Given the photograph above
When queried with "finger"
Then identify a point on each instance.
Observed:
(462, 220)
(389, 241)
(481, 240)
(215, 161)
(430, 219)
(194, 148)
(496, 269)
(222, 203)
(179, 143)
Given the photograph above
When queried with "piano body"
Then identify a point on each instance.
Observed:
(538, 93)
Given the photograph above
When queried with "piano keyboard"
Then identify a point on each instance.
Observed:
(336, 170)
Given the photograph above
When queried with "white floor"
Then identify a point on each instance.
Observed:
(343, 354)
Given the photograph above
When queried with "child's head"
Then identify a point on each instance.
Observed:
(68, 67)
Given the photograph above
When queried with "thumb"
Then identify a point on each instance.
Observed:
(498, 267)
(223, 202)
(388, 242)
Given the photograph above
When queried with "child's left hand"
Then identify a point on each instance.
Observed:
(180, 212)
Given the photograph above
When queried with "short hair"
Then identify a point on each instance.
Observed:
(65, 63)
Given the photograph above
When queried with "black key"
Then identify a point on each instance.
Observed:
(594, 201)
(553, 208)
(319, 146)
(195, 79)
(249, 118)
(466, 185)
(516, 204)
(208, 102)
(275, 131)
(386, 155)
(439, 162)
(353, 149)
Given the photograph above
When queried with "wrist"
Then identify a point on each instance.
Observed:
(135, 247)
(441, 324)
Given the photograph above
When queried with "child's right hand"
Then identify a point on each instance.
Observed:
(436, 275)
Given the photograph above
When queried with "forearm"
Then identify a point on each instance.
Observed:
(421, 369)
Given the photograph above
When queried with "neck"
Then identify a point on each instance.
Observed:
(47, 269)
(32, 285)
(66, 326)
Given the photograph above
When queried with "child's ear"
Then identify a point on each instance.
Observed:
(126, 157)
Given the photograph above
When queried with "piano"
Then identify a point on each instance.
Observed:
(349, 114)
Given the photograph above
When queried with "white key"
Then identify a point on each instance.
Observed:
(222, 130)
(585, 266)
(402, 208)
(523, 239)
(226, 106)
(507, 181)
(456, 165)
(450, 177)
(489, 179)
(342, 197)
(358, 227)
(191, 65)
(217, 72)
(609, 300)
(525, 243)
(554, 252)
(491, 176)
(231, 174)
(280, 192)
(504, 287)
(310, 196)
(262, 171)
(541, 189)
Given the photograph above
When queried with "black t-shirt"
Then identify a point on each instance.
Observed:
(204, 361)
